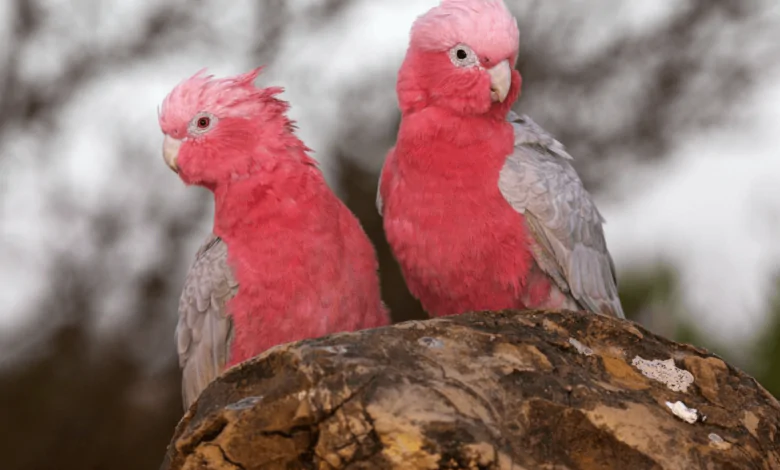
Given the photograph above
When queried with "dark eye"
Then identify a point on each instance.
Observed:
(462, 56)
(204, 122)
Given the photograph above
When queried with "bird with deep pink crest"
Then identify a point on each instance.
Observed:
(286, 260)
(481, 207)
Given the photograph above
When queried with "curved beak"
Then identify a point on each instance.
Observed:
(500, 81)
(171, 152)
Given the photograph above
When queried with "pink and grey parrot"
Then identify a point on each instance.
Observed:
(286, 260)
(481, 207)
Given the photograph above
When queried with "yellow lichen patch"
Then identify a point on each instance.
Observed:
(213, 425)
(334, 459)
(613, 351)
(645, 430)
(397, 414)
(623, 375)
(537, 357)
(634, 331)
(303, 411)
(553, 327)
(707, 371)
(504, 359)
(208, 456)
(480, 455)
(521, 357)
(751, 421)
(404, 448)
(512, 358)
(336, 443)
(357, 425)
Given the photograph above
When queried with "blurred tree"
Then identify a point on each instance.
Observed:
(81, 404)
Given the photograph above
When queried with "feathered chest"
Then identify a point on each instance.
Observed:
(444, 225)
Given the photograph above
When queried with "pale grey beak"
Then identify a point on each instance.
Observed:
(171, 152)
(500, 81)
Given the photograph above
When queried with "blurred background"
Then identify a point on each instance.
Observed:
(671, 109)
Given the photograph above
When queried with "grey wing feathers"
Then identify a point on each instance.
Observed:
(379, 199)
(204, 331)
(387, 166)
(539, 181)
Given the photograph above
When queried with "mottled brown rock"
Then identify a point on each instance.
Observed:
(508, 390)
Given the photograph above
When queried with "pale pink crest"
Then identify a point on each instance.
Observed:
(226, 97)
(487, 26)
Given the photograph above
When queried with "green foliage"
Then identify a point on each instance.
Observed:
(766, 355)
(647, 290)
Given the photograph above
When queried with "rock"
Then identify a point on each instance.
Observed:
(506, 390)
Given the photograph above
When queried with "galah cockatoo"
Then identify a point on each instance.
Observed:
(287, 260)
(482, 208)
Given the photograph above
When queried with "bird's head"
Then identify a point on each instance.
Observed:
(221, 129)
(461, 56)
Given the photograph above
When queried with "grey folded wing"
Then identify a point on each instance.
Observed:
(204, 332)
(378, 200)
(388, 170)
(539, 181)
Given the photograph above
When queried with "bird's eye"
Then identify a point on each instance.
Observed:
(202, 123)
(462, 56)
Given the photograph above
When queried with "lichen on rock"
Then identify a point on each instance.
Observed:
(665, 372)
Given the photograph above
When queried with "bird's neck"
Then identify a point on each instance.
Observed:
(277, 191)
(437, 140)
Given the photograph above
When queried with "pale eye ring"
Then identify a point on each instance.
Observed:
(462, 56)
(202, 123)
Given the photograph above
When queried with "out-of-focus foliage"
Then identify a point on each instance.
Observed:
(765, 365)
(91, 382)
(86, 405)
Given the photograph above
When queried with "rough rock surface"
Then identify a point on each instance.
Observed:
(508, 390)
